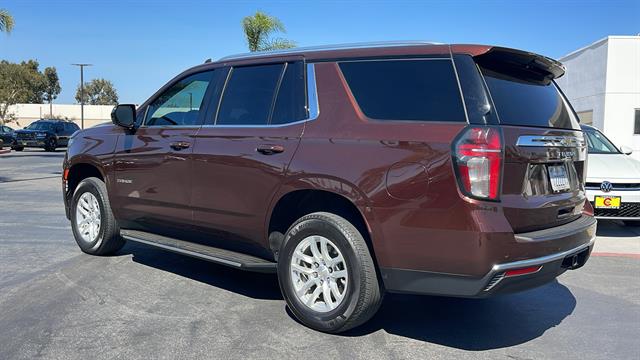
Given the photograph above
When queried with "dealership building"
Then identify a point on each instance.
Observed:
(602, 81)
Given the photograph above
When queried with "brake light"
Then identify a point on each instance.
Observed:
(478, 154)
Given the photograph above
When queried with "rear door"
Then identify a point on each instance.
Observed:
(545, 151)
(153, 168)
(242, 152)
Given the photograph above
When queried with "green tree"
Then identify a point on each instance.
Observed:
(51, 87)
(19, 83)
(98, 92)
(6, 21)
(258, 29)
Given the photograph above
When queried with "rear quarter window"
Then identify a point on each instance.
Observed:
(415, 90)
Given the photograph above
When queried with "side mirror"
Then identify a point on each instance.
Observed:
(124, 115)
(626, 150)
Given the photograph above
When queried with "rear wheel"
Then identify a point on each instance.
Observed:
(94, 227)
(18, 148)
(327, 275)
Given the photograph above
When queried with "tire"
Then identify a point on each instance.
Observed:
(18, 148)
(361, 296)
(50, 145)
(106, 239)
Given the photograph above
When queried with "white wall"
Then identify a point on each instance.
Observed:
(605, 77)
(585, 79)
(623, 91)
(28, 113)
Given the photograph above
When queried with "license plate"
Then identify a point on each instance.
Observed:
(558, 177)
(608, 202)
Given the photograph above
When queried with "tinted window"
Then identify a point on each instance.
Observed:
(40, 125)
(249, 95)
(636, 129)
(180, 104)
(424, 90)
(528, 102)
(291, 102)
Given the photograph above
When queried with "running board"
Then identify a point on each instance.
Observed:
(216, 255)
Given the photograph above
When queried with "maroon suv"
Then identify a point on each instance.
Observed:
(424, 168)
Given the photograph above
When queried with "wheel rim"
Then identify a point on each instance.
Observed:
(319, 273)
(88, 217)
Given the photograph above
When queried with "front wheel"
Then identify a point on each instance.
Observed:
(94, 227)
(18, 148)
(327, 275)
(50, 145)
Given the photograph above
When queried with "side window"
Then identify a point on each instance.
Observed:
(291, 104)
(180, 104)
(419, 90)
(249, 95)
(59, 128)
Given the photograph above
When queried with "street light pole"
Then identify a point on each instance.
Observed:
(82, 92)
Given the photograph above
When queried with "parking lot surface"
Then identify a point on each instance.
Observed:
(56, 302)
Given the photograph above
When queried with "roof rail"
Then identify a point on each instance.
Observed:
(379, 44)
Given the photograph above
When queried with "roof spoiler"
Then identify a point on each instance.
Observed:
(537, 66)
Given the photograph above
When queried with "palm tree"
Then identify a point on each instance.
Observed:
(6, 21)
(257, 29)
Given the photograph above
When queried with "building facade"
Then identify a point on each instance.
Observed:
(602, 82)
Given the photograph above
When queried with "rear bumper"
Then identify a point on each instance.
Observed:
(498, 280)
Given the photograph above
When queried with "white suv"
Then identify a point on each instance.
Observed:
(613, 179)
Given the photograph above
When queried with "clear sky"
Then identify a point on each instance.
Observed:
(141, 44)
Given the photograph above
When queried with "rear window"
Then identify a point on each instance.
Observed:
(528, 102)
(419, 90)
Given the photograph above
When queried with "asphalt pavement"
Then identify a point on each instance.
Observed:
(59, 303)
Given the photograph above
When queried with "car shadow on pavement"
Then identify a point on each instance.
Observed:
(469, 324)
(613, 228)
(473, 324)
(250, 284)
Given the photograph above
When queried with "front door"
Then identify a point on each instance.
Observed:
(242, 152)
(153, 167)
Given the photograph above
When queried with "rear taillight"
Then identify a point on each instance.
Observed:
(478, 155)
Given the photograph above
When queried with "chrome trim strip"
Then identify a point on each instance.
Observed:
(541, 260)
(617, 218)
(555, 141)
(312, 93)
(184, 251)
(381, 44)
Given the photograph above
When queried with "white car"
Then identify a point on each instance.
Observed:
(613, 179)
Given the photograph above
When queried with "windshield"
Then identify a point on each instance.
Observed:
(39, 126)
(599, 144)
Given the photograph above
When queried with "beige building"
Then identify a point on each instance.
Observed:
(25, 114)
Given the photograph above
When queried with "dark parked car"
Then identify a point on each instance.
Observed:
(46, 134)
(453, 170)
(6, 136)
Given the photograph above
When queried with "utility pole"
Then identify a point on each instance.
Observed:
(82, 92)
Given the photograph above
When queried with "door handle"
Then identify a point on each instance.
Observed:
(270, 149)
(179, 145)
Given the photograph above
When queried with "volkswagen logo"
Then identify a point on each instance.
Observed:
(606, 186)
